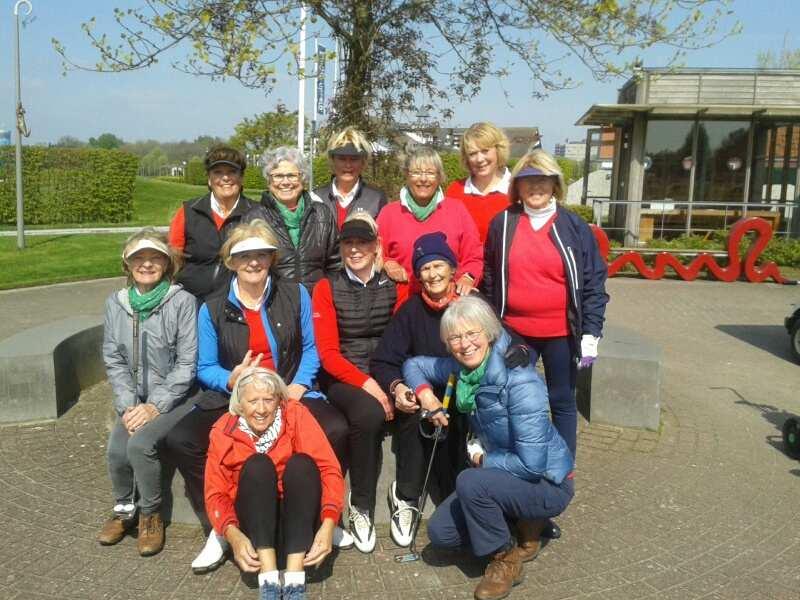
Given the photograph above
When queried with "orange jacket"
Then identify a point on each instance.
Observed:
(230, 447)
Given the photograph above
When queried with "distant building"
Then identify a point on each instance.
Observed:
(571, 150)
(5, 137)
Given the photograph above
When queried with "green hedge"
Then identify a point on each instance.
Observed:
(783, 251)
(69, 185)
(195, 173)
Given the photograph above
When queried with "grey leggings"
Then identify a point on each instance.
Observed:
(133, 461)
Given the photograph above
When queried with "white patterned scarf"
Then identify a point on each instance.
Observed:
(266, 440)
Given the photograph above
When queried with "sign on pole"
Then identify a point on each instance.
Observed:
(321, 80)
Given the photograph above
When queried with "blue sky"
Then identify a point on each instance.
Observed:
(164, 104)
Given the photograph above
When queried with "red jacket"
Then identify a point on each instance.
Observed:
(230, 447)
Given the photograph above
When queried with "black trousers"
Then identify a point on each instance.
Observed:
(412, 453)
(288, 524)
(362, 454)
(185, 447)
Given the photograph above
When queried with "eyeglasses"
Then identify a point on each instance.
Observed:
(459, 339)
(290, 177)
(423, 174)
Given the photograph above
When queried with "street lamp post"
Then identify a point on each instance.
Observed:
(21, 127)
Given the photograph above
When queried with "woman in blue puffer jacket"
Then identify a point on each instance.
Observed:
(523, 467)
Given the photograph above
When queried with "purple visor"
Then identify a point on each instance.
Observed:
(532, 172)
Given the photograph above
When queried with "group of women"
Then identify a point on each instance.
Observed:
(301, 328)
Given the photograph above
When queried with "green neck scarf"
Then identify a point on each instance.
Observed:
(467, 386)
(292, 218)
(420, 212)
(145, 303)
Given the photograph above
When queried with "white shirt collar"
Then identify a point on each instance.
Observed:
(353, 277)
(539, 216)
(344, 200)
(217, 207)
(261, 299)
(501, 186)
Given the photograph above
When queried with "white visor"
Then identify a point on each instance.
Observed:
(251, 244)
(143, 245)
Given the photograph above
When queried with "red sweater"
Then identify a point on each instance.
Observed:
(326, 334)
(537, 284)
(399, 229)
(481, 208)
(177, 228)
(258, 343)
(230, 447)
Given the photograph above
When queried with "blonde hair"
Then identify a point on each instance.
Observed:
(485, 135)
(539, 159)
(174, 259)
(422, 155)
(350, 135)
(362, 215)
(257, 228)
(263, 379)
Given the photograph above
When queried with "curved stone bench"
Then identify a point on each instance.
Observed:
(44, 369)
(623, 387)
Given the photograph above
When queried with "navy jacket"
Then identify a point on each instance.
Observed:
(511, 416)
(585, 269)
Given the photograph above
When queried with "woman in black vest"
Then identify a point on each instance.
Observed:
(262, 321)
(351, 310)
(201, 225)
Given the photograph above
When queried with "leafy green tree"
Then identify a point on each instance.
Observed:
(68, 141)
(407, 57)
(154, 160)
(266, 130)
(106, 141)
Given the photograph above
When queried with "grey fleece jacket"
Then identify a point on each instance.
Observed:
(167, 350)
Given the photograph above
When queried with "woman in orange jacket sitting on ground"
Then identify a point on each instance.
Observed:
(271, 469)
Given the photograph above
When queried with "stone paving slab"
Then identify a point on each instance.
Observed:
(706, 507)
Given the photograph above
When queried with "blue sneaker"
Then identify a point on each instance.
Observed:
(294, 592)
(269, 591)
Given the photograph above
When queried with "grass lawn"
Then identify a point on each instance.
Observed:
(59, 258)
(53, 259)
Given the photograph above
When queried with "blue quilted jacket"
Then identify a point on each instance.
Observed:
(512, 415)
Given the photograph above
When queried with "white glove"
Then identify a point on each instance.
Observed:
(474, 450)
(588, 350)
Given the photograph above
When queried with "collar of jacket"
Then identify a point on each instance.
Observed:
(122, 298)
(360, 183)
(496, 371)
(270, 203)
(203, 206)
(233, 301)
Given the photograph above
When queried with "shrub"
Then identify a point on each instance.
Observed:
(69, 185)
(196, 172)
(584, 212)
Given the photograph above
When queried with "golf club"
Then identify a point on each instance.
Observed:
(413, 555)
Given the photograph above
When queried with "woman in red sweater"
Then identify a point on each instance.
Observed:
(484, 152)
(270, 467)
(423, 208)
(351, 310)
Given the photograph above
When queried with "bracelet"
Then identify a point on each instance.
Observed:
(393, 386)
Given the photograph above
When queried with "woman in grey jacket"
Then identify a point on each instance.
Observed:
(150, 353)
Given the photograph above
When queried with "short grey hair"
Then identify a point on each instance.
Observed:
(474, 311)
(272, 157)
(422, 155)
(261, 378)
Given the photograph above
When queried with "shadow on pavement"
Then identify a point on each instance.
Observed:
(772, 338)
(773, 415)
(467, 563)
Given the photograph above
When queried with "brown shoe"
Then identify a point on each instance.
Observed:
(151, 534)
(114, 530)
(503, 573)
(529, 538)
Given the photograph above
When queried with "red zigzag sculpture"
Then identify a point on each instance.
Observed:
(704, 260)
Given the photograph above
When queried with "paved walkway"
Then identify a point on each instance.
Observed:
(705, 508)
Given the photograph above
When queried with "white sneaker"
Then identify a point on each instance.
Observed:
(402, 520)
(342, 539)
(212, 555)
(362, 529)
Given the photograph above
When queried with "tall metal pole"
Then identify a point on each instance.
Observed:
(301, 91)
(313, 145)
(20, 127)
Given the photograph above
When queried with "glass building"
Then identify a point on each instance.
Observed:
(697, 149)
